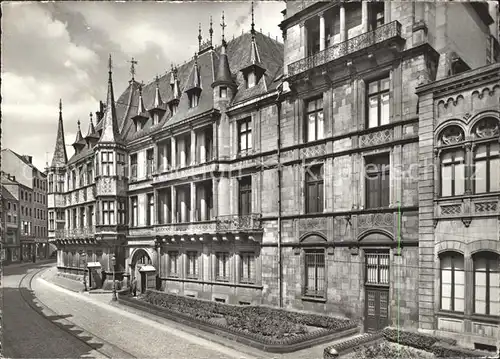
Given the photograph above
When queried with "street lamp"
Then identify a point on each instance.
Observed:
(85, 264)
(113, 262)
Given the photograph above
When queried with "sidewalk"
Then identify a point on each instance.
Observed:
(70, 284)
(24, 264)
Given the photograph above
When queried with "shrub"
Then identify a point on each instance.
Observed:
(443, 350)
(411, 339)
(390, 350)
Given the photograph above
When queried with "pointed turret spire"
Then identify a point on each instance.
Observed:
(196, 78)
(79, 142)
(60, 157)
(223, 74)
(176, 90)
(157, 102)
(254, 54)
(172, 75)
(141, 116)
(253, 24)
(211, 30)
(110, 124)
(91, 133)
(199, 36)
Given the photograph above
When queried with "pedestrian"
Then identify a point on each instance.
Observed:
(134, 287)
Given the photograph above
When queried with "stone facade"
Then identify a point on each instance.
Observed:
(465, 223)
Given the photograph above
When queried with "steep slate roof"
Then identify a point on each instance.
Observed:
(6, 195)
(239, 56)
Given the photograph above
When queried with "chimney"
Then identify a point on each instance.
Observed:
(28, 158)
(14, 178)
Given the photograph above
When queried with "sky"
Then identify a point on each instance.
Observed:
(60, 50)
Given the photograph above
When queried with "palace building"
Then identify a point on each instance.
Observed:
(285, 174)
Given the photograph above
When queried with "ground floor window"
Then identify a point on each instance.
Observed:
(314, 284)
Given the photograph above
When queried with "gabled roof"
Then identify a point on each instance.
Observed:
(6, 195)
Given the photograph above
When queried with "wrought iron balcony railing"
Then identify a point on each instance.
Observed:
(248, 222)
(84, 232)
(383, 33)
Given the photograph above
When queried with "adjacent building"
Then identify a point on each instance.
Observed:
(11, 247)
(31, 191)
(286, 174)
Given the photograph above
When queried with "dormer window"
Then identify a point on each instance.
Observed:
(251, 79)
(154, 119)
(223, 92)
(173, 108)
(138, 126)
(194, 98)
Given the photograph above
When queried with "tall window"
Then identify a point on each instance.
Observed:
(487, 168)
(121, 212)
(251, 79)
(194, 97)
(376, 15)
(314, 119)
(107, 163)
(314, 260)
(134, 213)
(453, 173)
(377, 268)
(173, 264)
(192, 265)
(151, 210)
(487, 283)
(120, 164)
(51, 183)
(452, 282)
(245, 135)
(73, 180)
(247, 267)
(149, 162)
(90, 172)
(378, 103)
(245, 195)
(108, 212)
(222, 267)
(133, 166)
(223, 92)
(377, 182)
(74, 215)
(60, 183)
(314, 189)
(81, 176)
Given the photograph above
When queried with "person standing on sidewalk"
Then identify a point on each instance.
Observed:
(134, 286)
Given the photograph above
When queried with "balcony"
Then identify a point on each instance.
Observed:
(205, 169)
(206, 227)
(239, 223)
(84, 232)
(384, 33)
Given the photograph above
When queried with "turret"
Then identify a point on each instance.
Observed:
(157, 110)
(173, 103)
(141, 117)
(193, 89)
(92, 136)
(254, 69)
(79, 143)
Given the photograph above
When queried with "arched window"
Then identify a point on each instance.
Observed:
(487, 283)
(486, 155)
(144, 259)
(452, 281)
(314, 282)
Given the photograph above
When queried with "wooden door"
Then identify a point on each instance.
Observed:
(376, 309)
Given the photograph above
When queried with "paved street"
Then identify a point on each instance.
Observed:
(103, 330)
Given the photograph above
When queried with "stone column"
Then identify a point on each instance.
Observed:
(303, 38)
(173, 159)
(174, 204)
(321, 31)
(215, 196)
(468, 167)
(364, 15)
(387, 12)
(215, 142)
(437, 172)
(202, 147)
(343, 35)
(194, 217)
(193, 148)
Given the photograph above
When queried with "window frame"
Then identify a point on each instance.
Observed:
(226, 275)
(134, 213)
(245, 189)
(107, 163)
(250, 276)
(319, 291)
(379, 95)
(382, 170)
(133, 166)
(171, 256)
(488, 159)
(453, 164)
(150, 160)
(192, 267)
(490, 258)
(150, 209)
(316, 179)
(314, 112)
(453, 256)
(245, 131)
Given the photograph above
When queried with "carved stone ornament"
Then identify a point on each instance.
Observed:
(452, 135)
(467, 116)
(487, 127)
(330, 251)
(354, 251)
(467, 221)
(296, 250)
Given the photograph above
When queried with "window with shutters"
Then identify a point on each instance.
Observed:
(314, 189)
(222, 266)
(192, 264)
(487, 168)
(245, 195)
(377, 102)
(377, 181)
(315, 283)
(453, 173)
(486, 283)
(314, 119)
(452, 281)
(247, 267)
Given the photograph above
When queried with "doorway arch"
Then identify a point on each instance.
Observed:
(140, 257)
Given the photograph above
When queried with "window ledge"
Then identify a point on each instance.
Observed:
(493, 319)
(467, 196)
(313, 299)
(450, 314)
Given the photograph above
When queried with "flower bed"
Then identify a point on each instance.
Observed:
(386, 350)
(266, 322)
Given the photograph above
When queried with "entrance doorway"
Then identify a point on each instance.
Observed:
(143, 282)
(376, 290)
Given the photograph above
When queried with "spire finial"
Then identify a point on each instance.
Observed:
(133, 62)
(253, 23)
(60, 105)
(199, 35)
(223, 25)
(78, 123)
(157, 80)
(211, 30)
(90, 115)
(110, 64)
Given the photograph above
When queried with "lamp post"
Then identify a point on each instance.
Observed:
(85, 263)
(113, 262)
